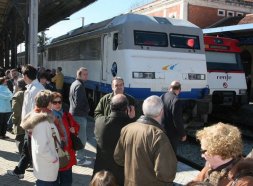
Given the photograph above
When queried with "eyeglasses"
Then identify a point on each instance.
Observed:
(55, 102)
(202, 151)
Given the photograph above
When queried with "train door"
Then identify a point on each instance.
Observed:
(105, 57)
(109, 63)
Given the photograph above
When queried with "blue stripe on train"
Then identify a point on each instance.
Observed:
(141, 93)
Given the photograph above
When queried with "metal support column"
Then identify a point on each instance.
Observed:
(33, 32)
(7, 51)
(1, 54)
(14, 42)
(26, 33)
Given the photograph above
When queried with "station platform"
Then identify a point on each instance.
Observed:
(81, 175)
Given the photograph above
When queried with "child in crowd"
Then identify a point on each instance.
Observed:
(103, 178)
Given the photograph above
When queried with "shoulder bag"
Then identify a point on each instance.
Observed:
(64, 157)
(76, 141)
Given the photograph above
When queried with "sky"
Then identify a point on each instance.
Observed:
(95, 12)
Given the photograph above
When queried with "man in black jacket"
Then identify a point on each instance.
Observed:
(79, 108)
(173, 115)
(107, 132)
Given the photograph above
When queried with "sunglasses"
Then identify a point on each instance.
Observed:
(55, 102)
(202, 151)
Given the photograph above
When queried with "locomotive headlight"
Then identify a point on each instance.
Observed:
(192, 76)
(242, 91)
(143, 75)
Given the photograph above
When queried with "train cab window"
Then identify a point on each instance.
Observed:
(223, 61)
(145, 38)
(184, 41)
(115, 41)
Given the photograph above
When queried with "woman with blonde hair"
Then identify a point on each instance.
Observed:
(221, 146)
(103, 178)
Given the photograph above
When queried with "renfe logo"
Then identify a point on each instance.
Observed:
(225, 85)
(227, 77)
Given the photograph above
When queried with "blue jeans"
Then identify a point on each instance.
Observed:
(82, 121)
(65, 177)
(46, 183)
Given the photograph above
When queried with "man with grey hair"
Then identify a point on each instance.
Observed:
(144, 149)
(173, 115)
(79, 108)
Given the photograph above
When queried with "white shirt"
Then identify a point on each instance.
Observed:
(29, 96)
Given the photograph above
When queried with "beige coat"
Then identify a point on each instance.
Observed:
(146, 154)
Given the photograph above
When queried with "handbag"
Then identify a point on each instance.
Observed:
(76, 141)
(64, 157)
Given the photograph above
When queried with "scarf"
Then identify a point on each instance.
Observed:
(60, 126)
(215, 175)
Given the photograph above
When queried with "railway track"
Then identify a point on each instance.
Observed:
(243, 119)
(189, 154)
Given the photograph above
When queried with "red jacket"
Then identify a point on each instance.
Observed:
(68, 147)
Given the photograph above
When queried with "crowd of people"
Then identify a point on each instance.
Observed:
(133, 149)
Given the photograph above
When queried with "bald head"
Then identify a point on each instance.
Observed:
(119, 102)
(175, 87)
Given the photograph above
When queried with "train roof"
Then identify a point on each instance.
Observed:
(124, 19)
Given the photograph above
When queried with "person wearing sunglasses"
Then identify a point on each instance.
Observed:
(221, 147)
(65, 124)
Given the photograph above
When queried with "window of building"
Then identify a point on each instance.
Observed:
(221, 12)
(239, 14)
(230, 14)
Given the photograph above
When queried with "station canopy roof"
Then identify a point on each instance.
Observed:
(239, 26)
(50, 12)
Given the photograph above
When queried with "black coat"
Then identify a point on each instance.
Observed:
(79, 105)
(107, 133)
(173, 118)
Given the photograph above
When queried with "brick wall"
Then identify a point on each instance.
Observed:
(156, 13)
(175, 10)
(202, 16)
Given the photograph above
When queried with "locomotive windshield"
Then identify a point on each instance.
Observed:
(223, 61)
(184, 41)
(145, 38)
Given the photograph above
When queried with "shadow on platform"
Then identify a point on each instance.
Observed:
(7, 180)
(9, 156)
(80, 179)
